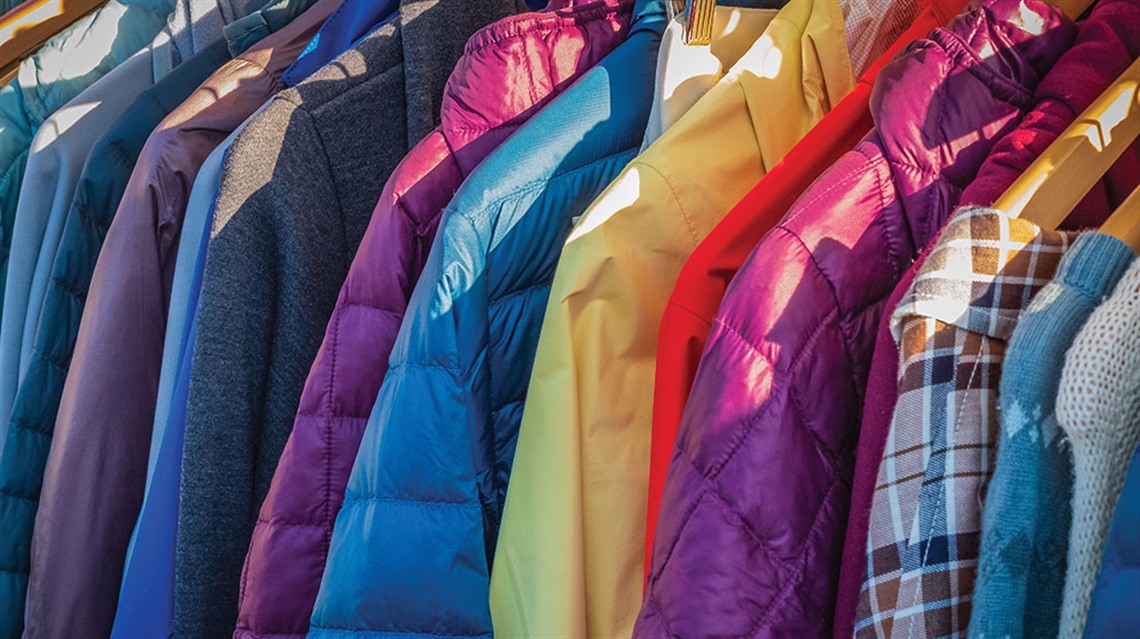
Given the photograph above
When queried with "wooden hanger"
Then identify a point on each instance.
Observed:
(1124, 223)
(1072, 8)
(24, 29)
(1057, 181)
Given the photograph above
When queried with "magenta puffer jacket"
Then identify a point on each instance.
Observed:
(508, 72)
(756, 497)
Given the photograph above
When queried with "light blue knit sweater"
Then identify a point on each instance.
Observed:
(1025, 525)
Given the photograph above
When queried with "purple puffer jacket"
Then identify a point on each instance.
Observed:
(509, 71)
(755, 504)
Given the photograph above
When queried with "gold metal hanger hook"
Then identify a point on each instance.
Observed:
(698, 19)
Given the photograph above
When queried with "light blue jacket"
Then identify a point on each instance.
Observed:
(65, 66)
(412, 547)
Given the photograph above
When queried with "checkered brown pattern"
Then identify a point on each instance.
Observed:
(952, 328)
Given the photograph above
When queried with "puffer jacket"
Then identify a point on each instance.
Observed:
(56, 73)
(412, 548)
(508, 72)
(55, 161)
(1113, 610)
(28, 439)
(777, 396)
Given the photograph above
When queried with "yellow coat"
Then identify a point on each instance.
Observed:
(569, 561)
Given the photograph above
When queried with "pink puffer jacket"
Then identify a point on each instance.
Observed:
(508, 72)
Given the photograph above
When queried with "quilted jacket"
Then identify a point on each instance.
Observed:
(509, 70)
(777, 396)
(56, 73)
(29, 436)
(1113, 611)
(55, 161)
(692, 306)
(413, 544)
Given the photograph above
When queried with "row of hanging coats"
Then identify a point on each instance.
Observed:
(607, 318)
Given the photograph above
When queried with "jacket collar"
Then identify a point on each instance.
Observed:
(432, 43)
(192, 26)
(351, 21)
(247, 31)
(982, 272)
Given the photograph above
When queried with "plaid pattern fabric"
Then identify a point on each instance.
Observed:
(952, 328)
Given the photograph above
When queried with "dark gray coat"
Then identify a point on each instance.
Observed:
(296, 194)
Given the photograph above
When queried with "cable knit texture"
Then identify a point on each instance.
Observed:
(1098, 406)
(1025, 525)
(509, 71)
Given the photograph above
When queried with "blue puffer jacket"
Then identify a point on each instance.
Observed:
(412, 547)
(1113, 612)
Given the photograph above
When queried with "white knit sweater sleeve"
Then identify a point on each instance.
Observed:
(1098, 406)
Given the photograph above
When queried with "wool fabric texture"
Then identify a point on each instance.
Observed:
(1098, 406)
(1025, 523)
(296, 194)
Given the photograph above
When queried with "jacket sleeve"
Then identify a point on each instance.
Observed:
(29, 435)
(97, 467)
(410, 532)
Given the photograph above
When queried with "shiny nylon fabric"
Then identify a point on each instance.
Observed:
(777, 395)
(508, 72)
(700, 287)
(105, 175)
(1103, 48)
(412, 546)
(572, 545)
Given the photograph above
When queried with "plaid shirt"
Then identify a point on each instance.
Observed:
(952, 328)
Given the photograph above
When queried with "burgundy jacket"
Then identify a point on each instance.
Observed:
(755, 505)
(509, 71)
(1108, 41)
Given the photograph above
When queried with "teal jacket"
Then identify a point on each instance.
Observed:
(27, 441)
(67, 64)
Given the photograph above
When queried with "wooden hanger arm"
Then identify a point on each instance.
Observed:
(1072, 8)
(1056, 182)
(1124, 223)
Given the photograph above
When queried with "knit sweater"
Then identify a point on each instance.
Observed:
(1025, 526)
(1098, 406)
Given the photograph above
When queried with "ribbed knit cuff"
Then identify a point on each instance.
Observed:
(1094, 264)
